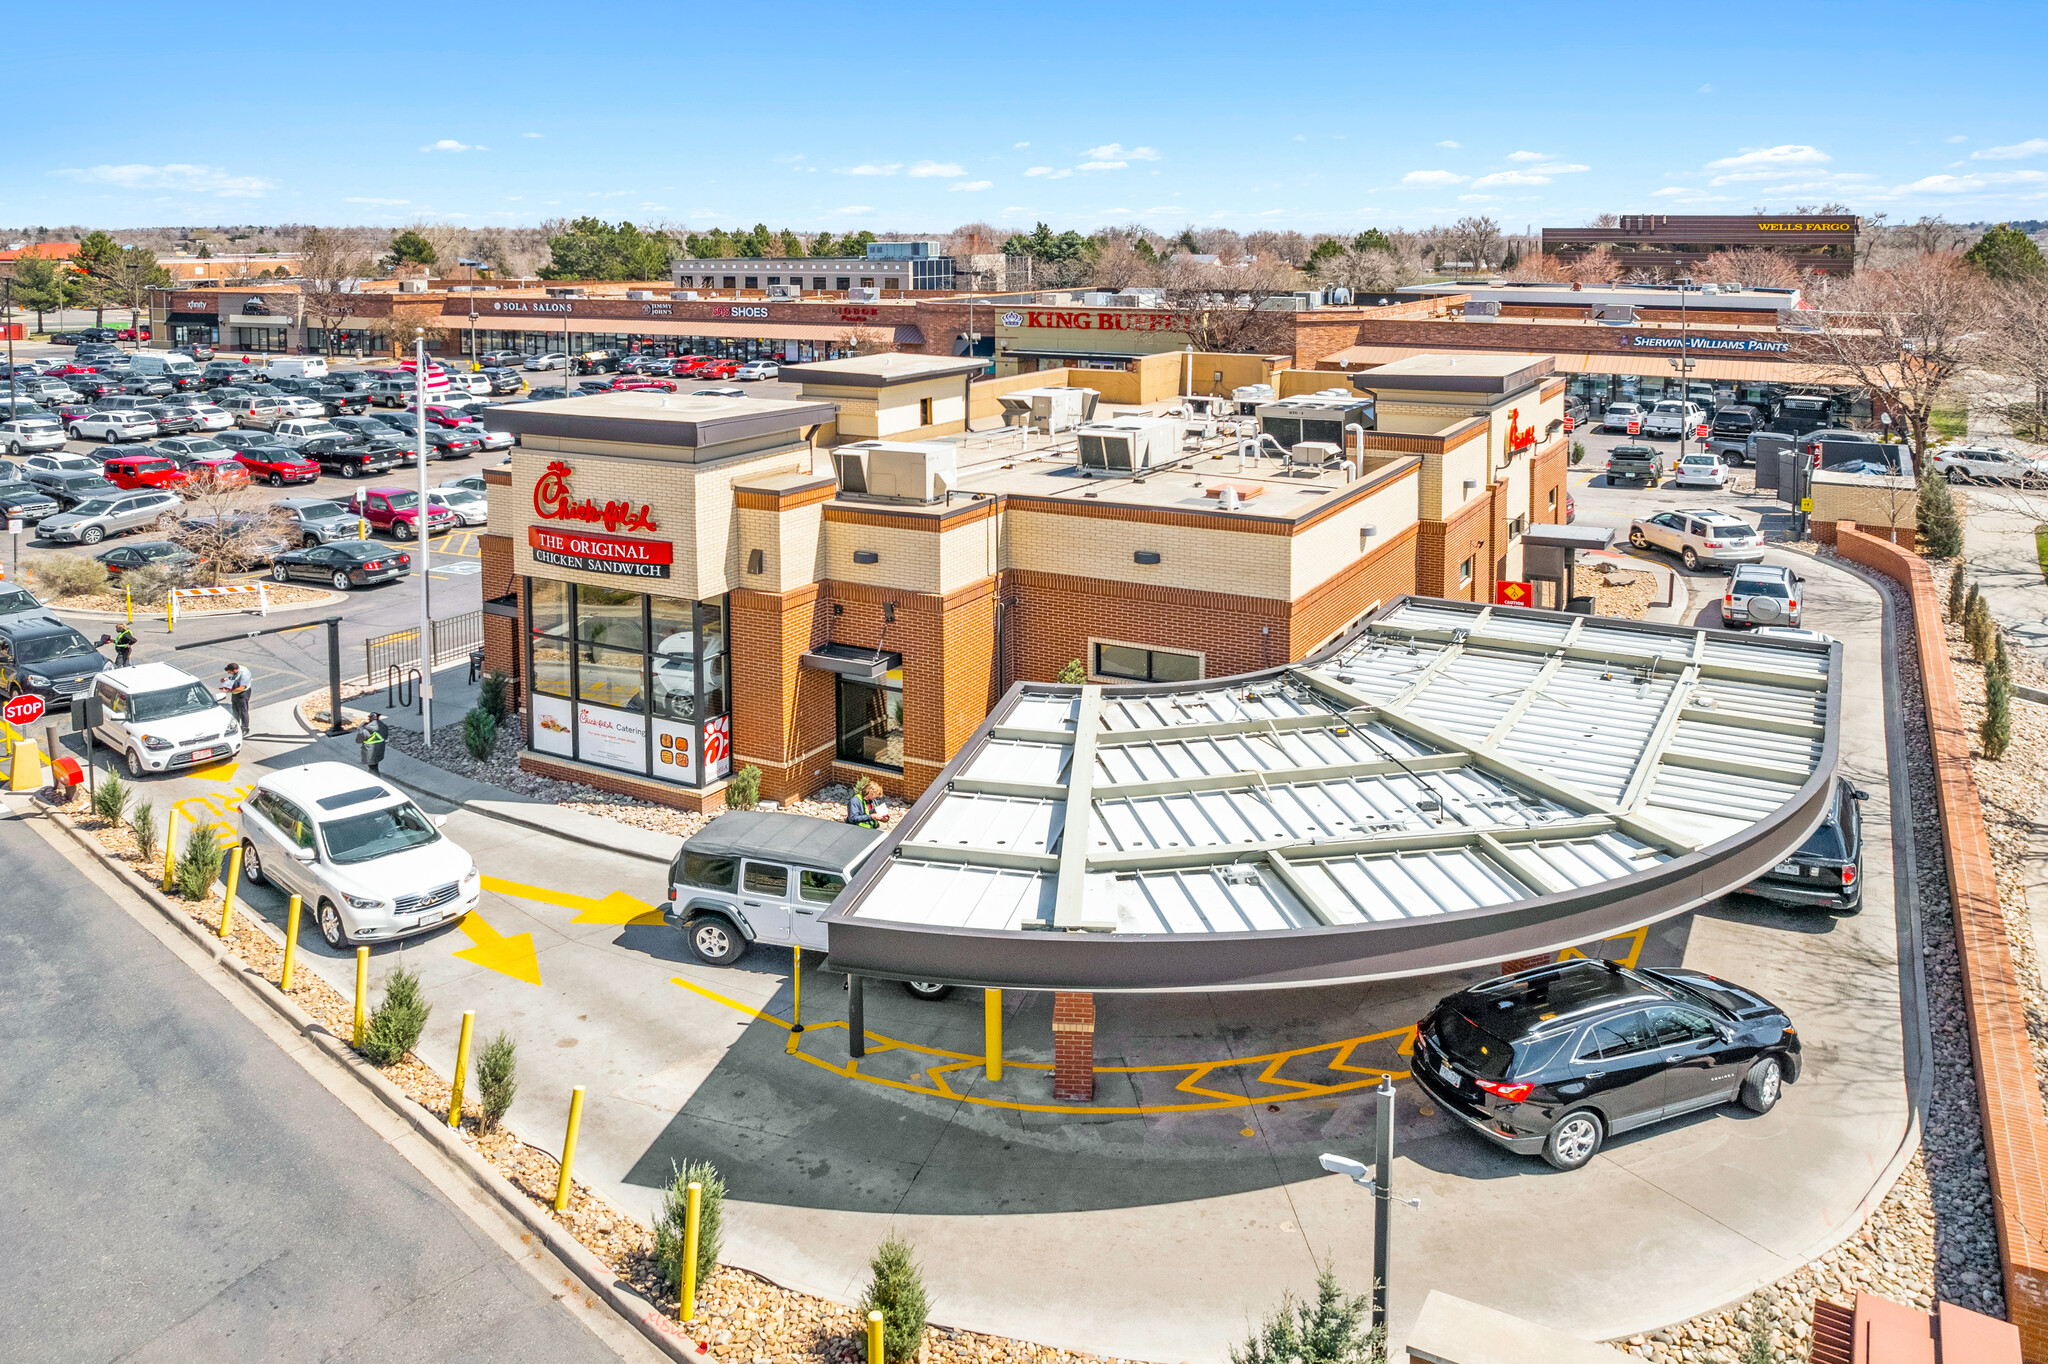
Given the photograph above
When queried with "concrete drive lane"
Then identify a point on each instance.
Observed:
(177, 1187)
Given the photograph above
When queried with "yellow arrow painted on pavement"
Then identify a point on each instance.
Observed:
(615, 908)
(494, 951)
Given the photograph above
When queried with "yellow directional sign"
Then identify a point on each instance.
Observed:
(615, 908)
(494, 951)
(1806, 504)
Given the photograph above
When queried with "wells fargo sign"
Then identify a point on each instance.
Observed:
(1806, 227)
(553, 500)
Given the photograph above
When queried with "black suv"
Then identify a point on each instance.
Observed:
(43, 655)
(1553, 1061)
(1827, 871)
(20, 498)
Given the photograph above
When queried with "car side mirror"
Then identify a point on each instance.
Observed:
(1859, 795)
(302, 855)
(440, 820)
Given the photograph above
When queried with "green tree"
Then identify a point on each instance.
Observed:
(1327, 249)
(758, 243)
(410, 248)
(94, 264)
(39, 286)
(2007, 255)
(1074, 673)
(1331, 1330)
(790, 243)
(854, 244)
(1958, 590)
(822, 245)
(672, 1223)
(1995, 733)
(896, 1290)
(595, 249)
(1186, 241)
(205, 251)
(1940, 529)
(1372, 239)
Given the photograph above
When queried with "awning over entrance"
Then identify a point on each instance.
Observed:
(1612, 362)
(848, 661)
(647, 326)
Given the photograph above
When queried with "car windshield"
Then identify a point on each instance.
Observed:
(13, 601)
(1698, 459)
(403, 500)
(49, 648)
(92, 506)
(171, 702)
(1464, 1040)
(324, 511)
(380, 833)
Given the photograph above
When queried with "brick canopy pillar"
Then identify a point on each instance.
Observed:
(1073, 1047)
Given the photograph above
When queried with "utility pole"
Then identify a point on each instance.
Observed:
(419, 378)
(1379, 1183)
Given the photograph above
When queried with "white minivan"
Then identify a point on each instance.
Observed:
(297, 367)
(159, 365)
(158, 718)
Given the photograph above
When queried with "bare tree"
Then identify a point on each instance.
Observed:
(861, 340)
(1752, 268)
(1291, 247)
(1216, 306)
(1476, 239)
(1598, 266)
(231, 527)
(1903, 334)
(2019, 351)
(333, 264)
(1540, 267)
(1370, 271)
(1119, 264)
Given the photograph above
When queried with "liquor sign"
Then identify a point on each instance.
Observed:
(589, 553)
(1512, 594)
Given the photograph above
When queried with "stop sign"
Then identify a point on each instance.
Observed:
(22, 710)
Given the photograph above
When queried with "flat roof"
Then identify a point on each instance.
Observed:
(1450, 785)
(1548, 294)
(649, 417)
(882, 370)
(1487, 372)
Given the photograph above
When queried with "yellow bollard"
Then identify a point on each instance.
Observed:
(291, 944)
(992, 1033)
(796, 980)
(686, 1310)
(875, 1338)
(569, 1149)
(461, 1070)
(227, 904)
(129, 593)
(362, 993)
(170, 843)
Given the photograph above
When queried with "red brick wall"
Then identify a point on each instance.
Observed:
(1386, 573)
(781, 713)
(2015, 1128)
(1052, 617)
(1073, 1047)
(1446, 544)
(1547, 475)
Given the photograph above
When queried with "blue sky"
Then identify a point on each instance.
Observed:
(915, 116)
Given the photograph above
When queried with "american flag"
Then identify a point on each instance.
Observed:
(437, 378)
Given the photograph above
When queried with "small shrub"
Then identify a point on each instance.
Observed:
(1940, 529)
(496, 1079)
(1074, 674)
(1981, 632)
(1578, 451)
(479, 733)
(149, 587)
(1958, 592)
(63, 575)
(110, 799)
(672, 1224)
(398, 1020)
(1995, 734)
(1970, 600)
(1333, 1329)
(198, 865)
(897, 1291)
(2001, 661)
(1757, 1349)
(491, 696)
(743, 789)
(142, 823)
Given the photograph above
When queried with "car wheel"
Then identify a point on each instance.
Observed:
(351, 471)
(134, 765)
(280, 572)
(74, 433)
(277, 480)
(715, 942)
(252, 865)
(92, 535)
(927, 989)
(1638, 539)
(1691, 559)
(331, 926)
(340, 581)
(1956, 476)
(1574, 1140)
(14, 449)
(308, 541)
(1763, 1085)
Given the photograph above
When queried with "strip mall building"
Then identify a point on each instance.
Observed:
(679, 585)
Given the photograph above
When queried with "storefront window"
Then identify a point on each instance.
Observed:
(871, 721)
(610, 677)
(267, 339)
(610, 615)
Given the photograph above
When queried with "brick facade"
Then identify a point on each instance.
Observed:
(1073, 1048)
(1444, 545)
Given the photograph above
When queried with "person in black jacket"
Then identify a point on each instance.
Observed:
(372, 738)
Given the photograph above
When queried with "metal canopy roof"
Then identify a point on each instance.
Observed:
(1451, 784)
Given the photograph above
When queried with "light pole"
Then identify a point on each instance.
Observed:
(7, 325)
(473, 364)
(1379, 1183)
(419, 402)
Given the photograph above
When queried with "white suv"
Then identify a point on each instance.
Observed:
(31, 435)
(1699, 536)
(159, 718)
(1986, 463)
(371, 864)
(114, 427)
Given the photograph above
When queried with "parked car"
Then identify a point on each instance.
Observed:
(500, 359)
(1673, 419)
(632, 383)
(1761, 594)
(1827, 870)
(473, 482)
(113, 427)
(91, 520)
(1699, 536)
(391, 392)
(26, 435)
(756, 370)
(718, 369)
(372, 428)
(197, 350)
(761, 876)
(503, 381)
(171, 418)
(158, 554)
(319, 520)
(148, 385)
(203, 416)
(1729, 432)
(1619, 415)
(1555, 1060)
(18, 601)
(350, 459)
(368, 862)
(343, 564)
(553, 359)
(1799, 413)
(159, 718)
(22, 500)
(395, 511)
(65, 338)
(596, 385)
(239, 440)
(468, 508)
(1642, 464)
(1699, 471)
(278, 465)
(43, 656)
(456, 443)
(468, 383)
(72, 487)
(145, 471)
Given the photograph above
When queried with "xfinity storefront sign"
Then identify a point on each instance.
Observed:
(1739, 343)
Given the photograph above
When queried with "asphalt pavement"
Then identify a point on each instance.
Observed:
(177, 1187)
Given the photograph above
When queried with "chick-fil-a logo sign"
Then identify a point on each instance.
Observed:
(551, 499)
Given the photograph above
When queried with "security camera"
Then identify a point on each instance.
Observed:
(1345, 1165)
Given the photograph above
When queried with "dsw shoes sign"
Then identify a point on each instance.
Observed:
(590, 551)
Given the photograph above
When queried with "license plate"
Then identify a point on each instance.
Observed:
(1450, 1076)
(199, 753)
(1789, 869)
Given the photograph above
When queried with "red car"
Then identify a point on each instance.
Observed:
(396, 511)
(215, 471)
(633, 381)
(131, 334)
(688, 365)
(145, 471)
(73, 367)
(448, 416)
(277, 465)
(718, 369)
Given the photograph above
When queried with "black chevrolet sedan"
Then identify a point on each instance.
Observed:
(343, 563)
(1554, 1061)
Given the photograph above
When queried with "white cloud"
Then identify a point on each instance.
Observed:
(353, 199)
(1957, 138)
(1435, 177)
(1047, 172)
(1478, 198)
(973, 185)
(1678, 194)
(2018, 151)
(533, 134)
(1509, 178)
(1115, 151)
(1790, 154)
(1019, 146)
(1454, 146)
(869, 168)
(1558, 168)
(1965, 184)
(1707, 89)
(855, 208)
(449, 144)
(1102, 165)
(943, 170)
(1528, 156)
(178, 176)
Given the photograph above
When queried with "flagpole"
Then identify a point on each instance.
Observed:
(419, 402)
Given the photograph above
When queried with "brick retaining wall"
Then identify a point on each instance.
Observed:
(2015, 1128)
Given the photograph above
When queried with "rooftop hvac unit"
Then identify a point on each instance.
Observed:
(1048, 409)
(567, 292)
(1139, 298)
(1482, 307)
(1128, 446)
(1339, 297)
(897, 471)
(1098, 299)
(412, 286)
(864, 295)
(639, 293)
(1315, 453)
(684, 295)
(1618, 313)
(785, 291)
(1309, 298)
(1316, 418)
